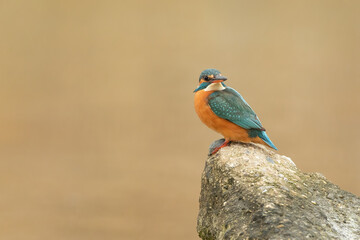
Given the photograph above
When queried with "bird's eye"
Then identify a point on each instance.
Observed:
(206, 78)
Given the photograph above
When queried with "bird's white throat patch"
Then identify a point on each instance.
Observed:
(215, 87)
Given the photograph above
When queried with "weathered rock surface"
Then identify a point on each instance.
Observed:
(251, 192)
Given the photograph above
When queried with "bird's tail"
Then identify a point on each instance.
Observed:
(266, 139)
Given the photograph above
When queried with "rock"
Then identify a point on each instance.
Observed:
(250, 192)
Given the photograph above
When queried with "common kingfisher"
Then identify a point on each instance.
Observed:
(225, 111)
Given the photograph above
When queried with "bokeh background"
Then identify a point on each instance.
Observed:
(98, 136)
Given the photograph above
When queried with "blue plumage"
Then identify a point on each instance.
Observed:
(262, 134)
(202, 86)
(230, 105)
(266, 139)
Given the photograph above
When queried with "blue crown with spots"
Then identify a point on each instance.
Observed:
(207, 72)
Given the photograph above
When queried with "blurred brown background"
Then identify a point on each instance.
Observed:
(99, 139)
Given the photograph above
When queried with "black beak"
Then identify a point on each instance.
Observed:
(218, 78)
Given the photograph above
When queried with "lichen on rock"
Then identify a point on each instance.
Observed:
(250, 192)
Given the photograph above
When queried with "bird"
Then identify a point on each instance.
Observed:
(225, 111)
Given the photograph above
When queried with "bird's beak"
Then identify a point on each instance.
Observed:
(218, 78)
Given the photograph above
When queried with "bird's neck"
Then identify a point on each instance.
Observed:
(214, 87)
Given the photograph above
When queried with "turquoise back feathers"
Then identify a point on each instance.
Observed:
(230, 105)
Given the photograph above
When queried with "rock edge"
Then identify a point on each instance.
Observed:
(250, 192)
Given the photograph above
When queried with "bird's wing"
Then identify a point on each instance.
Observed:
(230, 105)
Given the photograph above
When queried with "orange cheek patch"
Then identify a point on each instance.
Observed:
(202, 81)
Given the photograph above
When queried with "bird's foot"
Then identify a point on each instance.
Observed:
(226, 143)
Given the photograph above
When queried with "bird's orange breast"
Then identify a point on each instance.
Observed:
(229, 130)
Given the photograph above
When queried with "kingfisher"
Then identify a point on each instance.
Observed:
(225, 111)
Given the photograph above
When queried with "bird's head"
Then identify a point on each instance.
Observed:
(208, 77)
